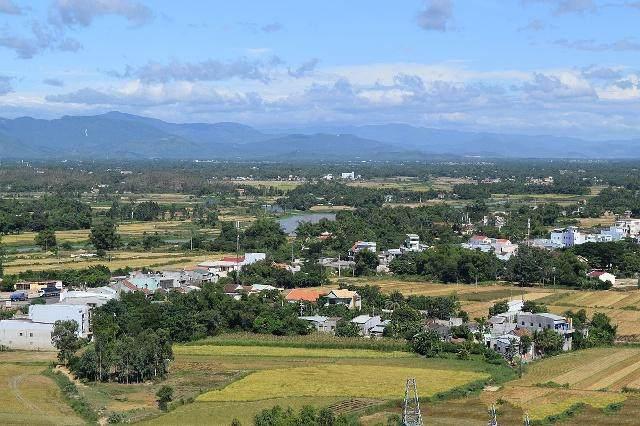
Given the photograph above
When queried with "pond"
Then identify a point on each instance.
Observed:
(290, 224)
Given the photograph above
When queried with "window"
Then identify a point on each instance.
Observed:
(21, 334)
(30, 334)
(531, 324)
(522, 322)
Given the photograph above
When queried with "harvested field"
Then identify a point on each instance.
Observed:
(594, 377)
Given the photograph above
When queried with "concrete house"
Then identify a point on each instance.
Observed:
(350, 299)
(322, 323)
(365, 323)
(49, 314)
(24, 334)
(539, 322)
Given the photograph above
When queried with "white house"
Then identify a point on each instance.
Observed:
(567, 237)
(541, 321)
(603, 276)
(24, 334)
(366, 322)
(92, 297)
(348, 176)
(49, 314)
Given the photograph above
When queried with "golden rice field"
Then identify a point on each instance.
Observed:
(29, 398)
(595, 377)
(133, 229)
(283, 185)
(118, 260)
(270, 351)
(347, 381)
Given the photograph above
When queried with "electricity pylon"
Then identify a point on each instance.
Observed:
(411, 415)
(493, 418)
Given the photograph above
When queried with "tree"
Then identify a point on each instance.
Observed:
(65, 339)
(427, 343)
(2, 254)
(366, 262)
(533, 307)
(104, 236)
(499, 308)
(548, 342)
(346, 328)
(164, 395)
(46, 239)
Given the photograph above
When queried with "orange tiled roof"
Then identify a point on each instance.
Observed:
(305, 294)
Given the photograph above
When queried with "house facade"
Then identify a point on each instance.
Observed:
(350, 299)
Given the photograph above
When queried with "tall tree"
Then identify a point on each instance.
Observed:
(46, 239)
(65, 339)
(104, 236)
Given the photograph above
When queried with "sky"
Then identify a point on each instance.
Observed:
(559, 67)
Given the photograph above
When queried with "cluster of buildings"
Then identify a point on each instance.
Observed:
(33, 331)
(573, 236)
(502, 248)
(505, 330)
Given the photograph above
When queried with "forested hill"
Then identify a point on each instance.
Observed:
(116, 135)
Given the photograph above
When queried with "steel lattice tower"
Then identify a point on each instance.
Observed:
(493, 420)
(411, 415)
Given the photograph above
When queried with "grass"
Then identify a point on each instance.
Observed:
(312, 341)
(221, 413)
(329, 380)
(27, 396)
(267, 351)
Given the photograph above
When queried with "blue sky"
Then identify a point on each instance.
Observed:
(562, 67)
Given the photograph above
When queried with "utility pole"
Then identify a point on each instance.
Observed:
(411, 415)
(527, 420)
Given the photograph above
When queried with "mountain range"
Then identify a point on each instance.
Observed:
(116, 135)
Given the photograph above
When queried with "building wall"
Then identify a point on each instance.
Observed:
(26, 335)
(62, 312)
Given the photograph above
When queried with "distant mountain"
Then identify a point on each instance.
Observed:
(117, 135)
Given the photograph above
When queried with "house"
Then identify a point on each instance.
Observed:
(49, 314)
(602, 276)
(221, 268)
(378, 330)
(412, 243)
(92, 297)
(365, 323)
(350, 299)
(36, 286)
(567, 237)
(541, 321)
(348, 176)
(305, 295)
(24, 334)
(501, 247)
(322, 323)
(359, 246)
